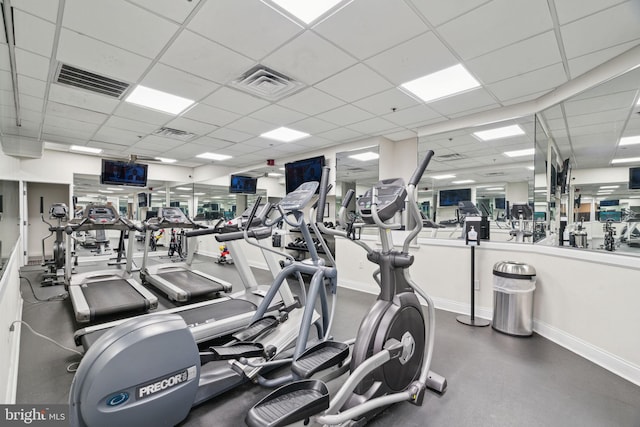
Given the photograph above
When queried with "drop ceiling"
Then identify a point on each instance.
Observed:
(347, 68)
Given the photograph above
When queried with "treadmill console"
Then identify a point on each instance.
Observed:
(300, 197)
(101, 214)
(172, 215)
(390, 199)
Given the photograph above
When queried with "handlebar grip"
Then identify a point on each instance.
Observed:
(257, 233)
(324, 182)
(347, 198)
(202, 232)
(41, 205)
(252, 215)
(68, 229)
(415, 178)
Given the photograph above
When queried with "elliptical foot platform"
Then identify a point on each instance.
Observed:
(320, 357)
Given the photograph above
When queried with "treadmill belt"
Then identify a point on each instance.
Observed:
(113, 296)
(193, 284)
(192, 316)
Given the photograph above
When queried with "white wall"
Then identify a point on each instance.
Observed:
(585, 301)
(10, 311)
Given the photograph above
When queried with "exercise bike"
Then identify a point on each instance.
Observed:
(391, 357)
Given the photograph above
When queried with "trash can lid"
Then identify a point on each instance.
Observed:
(513, 270)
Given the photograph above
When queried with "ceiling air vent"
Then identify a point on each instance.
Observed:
(266, 83)
(72, 76)
(450, 157)
(174, 133)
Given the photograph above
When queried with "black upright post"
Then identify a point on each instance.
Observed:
(471, 320)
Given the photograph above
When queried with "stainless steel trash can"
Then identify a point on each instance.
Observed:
(513, 286)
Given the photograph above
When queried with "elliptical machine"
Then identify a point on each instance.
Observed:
(391, 357)
(54, 275)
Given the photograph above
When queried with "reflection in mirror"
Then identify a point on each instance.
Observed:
(357, 170)
(490, 166)
(9, 219)
(599, 132)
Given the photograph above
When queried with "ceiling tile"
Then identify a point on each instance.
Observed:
(75, 125)
(4, 54)
(341, 134)
(119, 23)
(84, 115)
(195, 54)
(116, 136)
(305, 59)
(438, 12)
(372, 126)
(250, 28)
(212, 115)
(174, 10)
(401, 64)
(311, 101)
(206, 142)
(495, 25)
(588, 34)
(262, 143)
(387, 24)
(99, 57)
(184, 152)
(584, 63)
(463, 102)
(32, 65)
(157, 143)
(278, 115)
(600, 104)
(83, 99)
(384, 102)
(46, 10)
(33, 34)
(600, 117)
(345, 115)
(66, 140)
(535, 81)
(141, 114)
(230, 135)
(251, 126)
(354, 83)
(412, 115)
(401, 135)
(177, 82)
(519, 58)
(570, 10)
(141, 128)
(235, 101)
(31, 103)
(193, 126)
(313, 125)
(31, 86)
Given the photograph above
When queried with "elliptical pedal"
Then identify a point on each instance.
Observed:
(288, 404)
(256, 329)
(320, 357)
(236, 351)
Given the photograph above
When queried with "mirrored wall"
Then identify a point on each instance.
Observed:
(9, 219)
(357, 170)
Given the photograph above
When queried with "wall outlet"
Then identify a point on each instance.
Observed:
(476, 285)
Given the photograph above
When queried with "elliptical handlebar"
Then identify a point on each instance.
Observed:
(324, 182)
(417, 174)
(252, 215)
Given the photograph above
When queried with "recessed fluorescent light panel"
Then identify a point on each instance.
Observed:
(165, 160)
(494, 188)
(463, 181)
(83, 149)
(443, 176)
(629, 140)
(499, 133)
(441, 84)
(606, 187)
(306, 11)
(284, 134)
(274, 174)
(627, 160)
(363, 157)
(158, 100)
(213, 156)
(183, 188)
(520, 153)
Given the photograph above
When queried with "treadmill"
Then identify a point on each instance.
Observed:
(225, 315)
(109, 292)
(178, 280)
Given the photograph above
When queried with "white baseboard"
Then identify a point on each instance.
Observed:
(600, 357)
(608, 361)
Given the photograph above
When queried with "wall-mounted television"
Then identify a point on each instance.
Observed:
(615, 216)
(143, 201)
(123, 173)
(301, 171)
(243, 184)
(499, 201)
(453, 197)
(634, 178)
(609, 203)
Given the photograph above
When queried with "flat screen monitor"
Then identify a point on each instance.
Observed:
(243, 184)
(634, 178)
(301, 171)
(142, 200)
(500, 202)
(453, 197)
(540, 216)
(609, 203)
(615, 216)
(123, 173)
